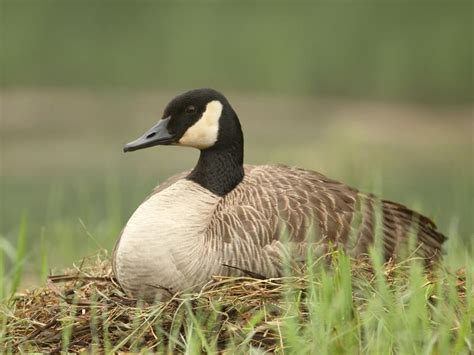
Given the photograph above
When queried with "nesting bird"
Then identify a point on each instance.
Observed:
(225, 217)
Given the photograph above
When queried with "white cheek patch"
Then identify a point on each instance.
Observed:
(203, 134)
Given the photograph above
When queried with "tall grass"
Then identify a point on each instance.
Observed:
(345, 306)
(20, 256)
(13, 259)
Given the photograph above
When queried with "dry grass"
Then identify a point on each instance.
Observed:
(84, 309)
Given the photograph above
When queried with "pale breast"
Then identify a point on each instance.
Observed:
(162, 246)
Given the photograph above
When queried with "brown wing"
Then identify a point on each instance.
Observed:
(274, 202)
(168, 182)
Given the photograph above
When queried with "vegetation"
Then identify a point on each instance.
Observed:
(337, 306)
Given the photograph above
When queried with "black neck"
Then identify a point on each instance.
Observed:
(220, 169)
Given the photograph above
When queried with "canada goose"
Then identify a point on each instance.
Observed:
(225, 216)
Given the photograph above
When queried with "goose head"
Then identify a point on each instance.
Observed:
(200, 118)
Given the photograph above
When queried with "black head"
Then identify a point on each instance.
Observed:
(201, 118)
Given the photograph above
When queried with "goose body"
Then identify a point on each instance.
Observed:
(225, 217)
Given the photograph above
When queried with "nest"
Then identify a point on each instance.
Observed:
(84, 309)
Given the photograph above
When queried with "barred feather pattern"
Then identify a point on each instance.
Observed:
(278, 213)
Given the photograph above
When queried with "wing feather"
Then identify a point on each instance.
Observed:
(274, 203)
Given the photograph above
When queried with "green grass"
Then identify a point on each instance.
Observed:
(342, 307)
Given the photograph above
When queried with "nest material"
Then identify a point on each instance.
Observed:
(84, 309)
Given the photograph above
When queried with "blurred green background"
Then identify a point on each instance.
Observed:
(378, 94)
(410, 50)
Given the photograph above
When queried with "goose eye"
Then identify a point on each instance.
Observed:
(190, 109)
